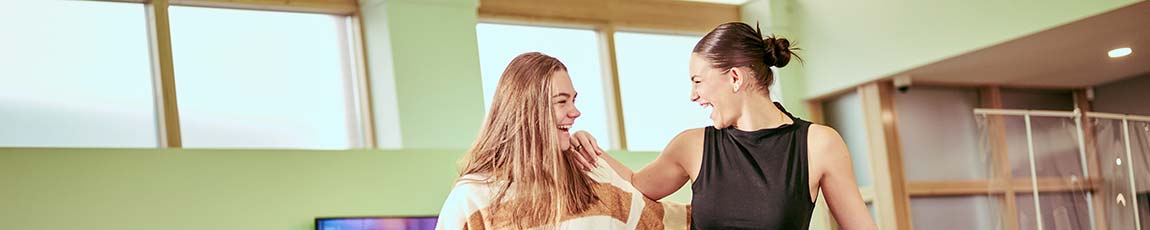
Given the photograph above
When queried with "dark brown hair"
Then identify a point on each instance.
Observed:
(736, 44)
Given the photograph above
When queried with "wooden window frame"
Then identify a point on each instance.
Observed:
(163, 73)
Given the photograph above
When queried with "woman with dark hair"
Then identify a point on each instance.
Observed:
(758, 167)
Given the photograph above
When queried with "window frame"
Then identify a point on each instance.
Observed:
(163, 74)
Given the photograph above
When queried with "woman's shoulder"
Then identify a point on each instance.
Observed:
(471, 192)
(474, 184)
(686, 149)
(690, 137)
(826, 147)
(821, 137)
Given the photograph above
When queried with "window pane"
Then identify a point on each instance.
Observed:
(939, 134)
(1111, 140)
(75, 74)
(1056, 150)
(578, 50)
(258, 79)
(960, 212)
(1139, 132)
(1062, 210)
(654, 84)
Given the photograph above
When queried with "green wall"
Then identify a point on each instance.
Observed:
(773, 18)
(222, 189)
(850, 42)
(215, 189)
(430, 52)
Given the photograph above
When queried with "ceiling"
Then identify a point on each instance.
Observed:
(1068, 56)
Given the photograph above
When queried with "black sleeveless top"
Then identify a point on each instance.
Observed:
(753, 180)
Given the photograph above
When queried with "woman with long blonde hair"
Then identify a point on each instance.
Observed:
(520, 174)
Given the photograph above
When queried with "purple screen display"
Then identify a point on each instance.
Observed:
(376, 223)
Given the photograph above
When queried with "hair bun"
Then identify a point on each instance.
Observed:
(777, 51)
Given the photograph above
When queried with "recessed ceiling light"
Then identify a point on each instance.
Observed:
(1120, 52)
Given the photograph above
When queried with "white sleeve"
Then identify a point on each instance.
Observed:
(460, 204)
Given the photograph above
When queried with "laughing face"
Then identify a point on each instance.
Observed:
(715, 89)
(563, 105)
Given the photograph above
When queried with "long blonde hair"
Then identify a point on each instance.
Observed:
(519, 147)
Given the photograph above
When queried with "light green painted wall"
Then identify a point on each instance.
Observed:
(214, 189)
(773, 18)
(106, 189)
(435, 66)
(850, 42)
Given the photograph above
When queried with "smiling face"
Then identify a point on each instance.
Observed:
(716, 89)
(563, 107)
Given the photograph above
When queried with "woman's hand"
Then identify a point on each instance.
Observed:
(586, 149)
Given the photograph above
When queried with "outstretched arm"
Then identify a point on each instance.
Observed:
(663, 176)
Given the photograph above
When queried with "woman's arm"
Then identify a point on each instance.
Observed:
(667, 173)
(829, 153)
(663, 176)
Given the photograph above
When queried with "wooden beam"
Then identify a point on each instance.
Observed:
(953, 188)
(991, 97)
(130, 1)
(337, 7)
(988, 187)
(611, 87)
(892, 203)
(362, 79)
(1098, 197)
(163, 74)
(631, 15)
(816, 111)
(1057, 185)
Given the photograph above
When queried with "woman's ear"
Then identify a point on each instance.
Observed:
(738, 78)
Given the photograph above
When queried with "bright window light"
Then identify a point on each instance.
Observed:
(262, 79)
(75, 74)
(1120, 52)
(578, 49)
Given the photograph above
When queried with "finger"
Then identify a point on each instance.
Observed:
(579, 159)
(588, 156)
(583, 163)
(588, 147)
(598, 150)
(585, 144)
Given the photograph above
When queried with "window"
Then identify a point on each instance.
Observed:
(75, 74)
(932, 155)
(655, 87)
(578, 50)
(259, 79)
